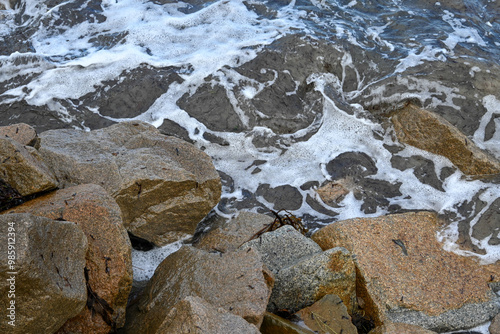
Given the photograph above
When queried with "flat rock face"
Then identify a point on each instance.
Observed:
(236, 282)
(305, 282)
(303, 273)
(163, 185)
(430, 132)
(495, 325)
(328, 315)
(283, 248)
(404, 275)
(21, 132)
(23, 169)
(400, 328)
(231, 234)
(194, 315)
(274, 324)
(108, 261)
(48, 286)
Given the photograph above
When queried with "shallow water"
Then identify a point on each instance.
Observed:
(62, 61)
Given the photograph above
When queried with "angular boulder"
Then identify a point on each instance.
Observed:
(231, 234)
(274, 324)
(108, 262)
(303, 273)
(23, 133)
(237, 282)
(400, 328)
(431, 132)
(404, 275)
(194, 315)
(495, 325)
(23, 169)
(42, 279)
(328, 315)
(163, 185)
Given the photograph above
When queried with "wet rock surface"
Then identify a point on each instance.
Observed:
(427, 131)
(449, 292)
(163, 185)
(272, 92)
(108, 268)
(48, 282)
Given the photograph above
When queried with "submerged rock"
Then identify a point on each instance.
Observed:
(163, 185)
(237, 282)
(43, 284)
(404, 275)
(430, 132)
(194, 315)
(108, 265)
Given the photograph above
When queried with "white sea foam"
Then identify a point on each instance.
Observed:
(226, 34)
(144, 264)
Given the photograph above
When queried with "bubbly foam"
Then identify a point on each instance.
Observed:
(212, 40)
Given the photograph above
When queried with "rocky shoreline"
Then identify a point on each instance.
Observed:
(72, 200)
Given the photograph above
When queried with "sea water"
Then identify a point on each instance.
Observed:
(66, 57)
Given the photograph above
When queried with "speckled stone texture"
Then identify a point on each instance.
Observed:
(404, 275)
(108, 260)
(430, 132)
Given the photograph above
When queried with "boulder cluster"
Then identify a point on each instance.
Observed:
(72, 200)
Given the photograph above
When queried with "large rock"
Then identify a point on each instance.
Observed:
(42, 279)
(328, 315)
(495, 325)
(283, 248)
(230, 234)
(431, 132)
(194, 315)
(163, 185)
(20, 132)
(237, 282)
(108, 261)
(23, 169)
(404, 275)
(400, 328)
(274, 324)
(303, 273)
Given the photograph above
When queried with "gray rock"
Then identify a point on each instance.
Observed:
(305, 282)
(468, 316)
(194, 315)
(228, 235)
(48, 280)
(163, 185)
(237, 282)
(283, 248)
(23, 169)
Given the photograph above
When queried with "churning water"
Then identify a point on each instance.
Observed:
(61, 59)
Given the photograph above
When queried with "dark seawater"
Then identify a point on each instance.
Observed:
(281, 94)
